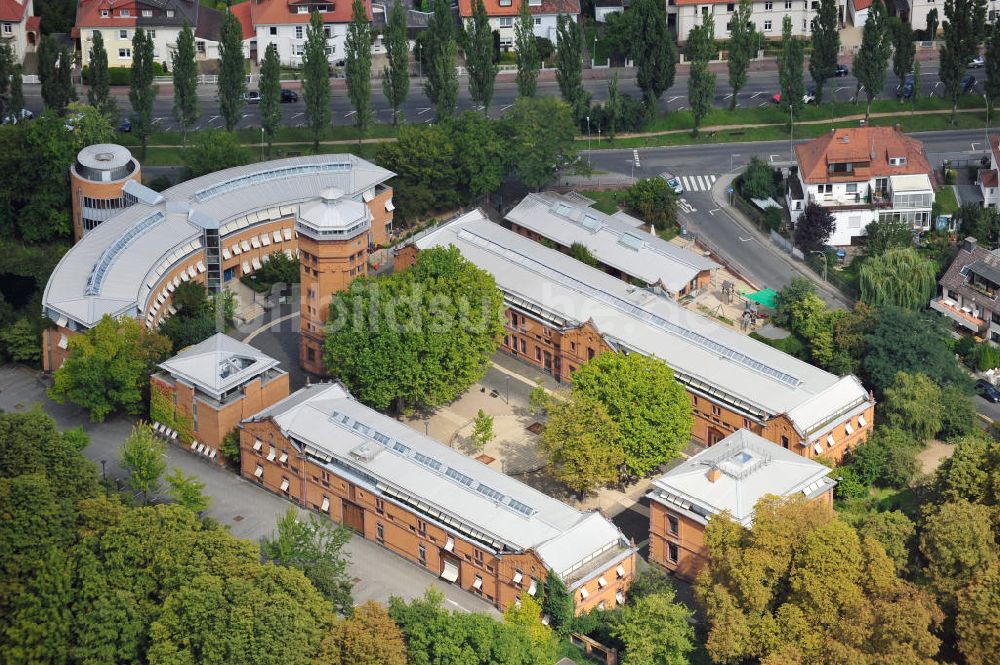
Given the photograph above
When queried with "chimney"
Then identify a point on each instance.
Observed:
(969, 244)
(713, 474)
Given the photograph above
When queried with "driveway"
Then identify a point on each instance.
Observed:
(245, 509)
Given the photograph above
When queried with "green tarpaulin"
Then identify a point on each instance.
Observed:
(763, 297)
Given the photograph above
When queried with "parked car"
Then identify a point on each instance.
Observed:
(251, 97)
(289, 96)
(976, 62)
(841, 70)
(125, 125)
(810, 96)
(673, 182)
(905, 91)
(987, 391)
(13, 117)
(776, 98)
(968, 84)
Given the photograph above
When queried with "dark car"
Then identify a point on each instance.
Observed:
(289, 96)
(906, 90)
(968, 84)
(125, 126)
(987, 391)
(841, 70)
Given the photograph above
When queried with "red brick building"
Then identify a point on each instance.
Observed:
(471, 525)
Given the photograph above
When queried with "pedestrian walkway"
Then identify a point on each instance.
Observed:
(697, 183)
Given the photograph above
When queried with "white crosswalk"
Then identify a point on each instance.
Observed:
(697, 183)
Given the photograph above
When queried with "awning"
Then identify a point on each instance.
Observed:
(830, 440)
(277, 236)
(584, 593)
(255, 242)
(226, 254)
(450, 572)
(283, 458)
(171, 309)
(478, 584)
(818, 448)
(212, 454)
(284, 484)
(62, 321)
(63, 342)
(620, 598)
(601, 582)
(177, 281)
(450, 545)
(518, 577)
(533, 588)
(861, 421)
(255, 262)
(388, 206)
(326, 504)
(200, 448)
(288, 233)
(270, 455)
(246, 268)
(171, 287)
(368, 195)
(245, 245)
(848, 428)
(259, 472)
(765, 297)
(194, 444)
(201, 266)
(257, 445)
(265, 239)
(237, 249)
(185, 277)
(621, 571)
(191, 272)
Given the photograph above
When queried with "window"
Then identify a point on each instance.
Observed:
(125, 12)
(147, 13)
(784, 441)
(379, 533)
(538, 21)
(524, 346)
(590, 353)
(767, 25)
(788, 4)
(422, 527)
(479, 555)
(298, 32)
(422, 554)
(151, 33)
(123, 34)
(730, 6)
(897, 161)
(311, 354)
(170, 13)
(124, 53)
(505, 3)
(672, 552)
(716, 410)
(301, 10)
(746, 423)
(704, 11)
(380, 505)
(538, 353)
(768, 6)
(506, 21)
(852, 188)
(105, 13)
(673, 525)
(328, 31)
(273, 30)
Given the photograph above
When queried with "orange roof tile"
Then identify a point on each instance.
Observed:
(88, 14)
(280, 12)
(868, 148)
(242, 12)
(12, 10)
(34, 23)
(493, 7)
(988, 177)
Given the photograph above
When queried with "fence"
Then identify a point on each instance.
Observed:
(820, 265)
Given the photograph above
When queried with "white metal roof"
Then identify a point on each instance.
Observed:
(218, 364)
(706, 356)
(457, 490)
(135, 241)
(918, 182)
(614, 241)
(750, 467)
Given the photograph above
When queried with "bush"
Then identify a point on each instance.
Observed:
(160, 183)
(757, 181)
(984, 356)
(215, 150)
(772, 218)
(123, 75)
(958, 413)
(545, 47)
(887, 459)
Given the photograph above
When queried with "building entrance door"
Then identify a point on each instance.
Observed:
(354, 516)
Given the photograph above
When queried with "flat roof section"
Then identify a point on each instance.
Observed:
(218, 364)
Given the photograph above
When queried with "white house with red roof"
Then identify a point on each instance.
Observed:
(18, 28)
(988, 180)
(284, 23)
(767, 15)
(503, 16)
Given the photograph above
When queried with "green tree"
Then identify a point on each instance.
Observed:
(583, 444)
(16, 91)
(316, 548)
(482, 430)
(396, 73)
(813, 228)
(916, 85)
(480, 155)
(894, 531)
(872, 58)
(6, 69)
(528, 60)
(991, 57)
(825, 45)
(958, 544)
(368, 637)
(479, 57)
(525, 621)
(757, 181)
(270, 94)
(882, 235)
(538, 399)
(963, 28)
(899, 278)
(655, 631)
(441, 87)
(558, 604)
(54, 71)
(958, 413)
(21, 341)
(358, 69)
(188, 491)
(427, 178)
(654, 201)
(108, 367)
(653, 50)
(701, 48)
(232, 79)
(932, 24)
(99, 90)
(186, 108)
(652, 410)
(213, 150)
(580, 252)
(613, 106)
(972, 473)
(316, 79)
(913, 404)
(143, 455)
(743, 43)
(904, 48)
(790, 68)
(541, 133)
(141, 89)
(977, 621)
(569, 65)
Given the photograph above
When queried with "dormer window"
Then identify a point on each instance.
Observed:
(105, 13)
(897, 161)
(170, 13)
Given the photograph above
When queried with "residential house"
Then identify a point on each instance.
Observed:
(617, 242)
(448, 513)
(604, 8)
(562, 313)
(284, 23)
(969, 291)
(767, 16)
(208, 31)
(19, 29)
(117, 21)
(207, 389)
(732, 477)
(861, 174)
(988, 181)
(503, 15)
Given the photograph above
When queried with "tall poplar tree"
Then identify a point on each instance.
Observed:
(99, 88)
(569, 64)
(701, 81)
(48, 73)
(441, 87)
(790, 68)
(270, 94)
(232, 76)
(872, 58)
(141, 90)
(743, 39)
(316, 78)
(479, 56)
(6, 72)
(65, 72)
(16, 89)
(964, 25)
(653, 48)
(186, 110)
(826, 45)
(396, 74)
(904, 49)
(991, 86)
(358, 47)
(613, 106)
(528, 60)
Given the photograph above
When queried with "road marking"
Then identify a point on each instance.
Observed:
(727, 96)
(839, 89)
(714, 210)
(772, 158)
(674, 98)
(697, 183)
(245, 116)
(504, 108)
(756, 94)
(423, 111)
(449, 600)
(974, 148)
(742, 239)
(158, 119)
(301, 124)
(478, 107)
(680, 108)
(348, 115)
(213, 118)
(635, 158)
(297, 115)
(762, 104)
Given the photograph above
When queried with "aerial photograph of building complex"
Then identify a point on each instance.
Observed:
(499, 332)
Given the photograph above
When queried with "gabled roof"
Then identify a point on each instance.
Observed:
(981, 261)
(493, 7)
(218, 364)
(210, 21)
(88, 14)
(612, 240)
(749, 468)
(459, 492)
(867, 148)
(281, 12)
(13, 10)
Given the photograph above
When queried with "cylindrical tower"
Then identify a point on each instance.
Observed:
(97, 180)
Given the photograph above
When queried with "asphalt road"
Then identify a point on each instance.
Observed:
(760, 87)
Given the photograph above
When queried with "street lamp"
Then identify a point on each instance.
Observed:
(986, 96)
(593, 57)
(589, 160)
(262, 143)
(506, 381)
(253, 279)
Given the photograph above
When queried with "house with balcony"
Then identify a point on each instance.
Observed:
(503, 15)
(284, 22)
(19, 29)
(969, 291)
(861, 174)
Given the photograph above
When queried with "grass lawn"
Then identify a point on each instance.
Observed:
(606, 202)
(882, 499)
(946, 201)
